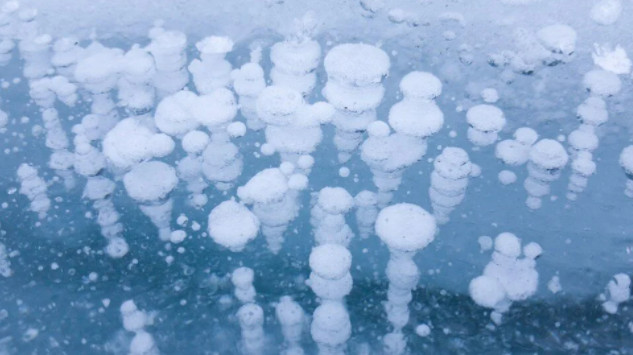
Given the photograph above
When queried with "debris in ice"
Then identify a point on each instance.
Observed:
(449, 180)
(508, 277)
(618, 290)
(354, 88)
(547, 159)
(232, 225)
(606, 12)
(405, 229)
(485, 121)
(150, 184)
(212, 71)
(327, 217)
(615, 61)
(34, 188)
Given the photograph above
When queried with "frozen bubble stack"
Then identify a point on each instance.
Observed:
(547, 159)
(331, 281)
(366, 212)
(136, 91)
(413, 119)
(150, 184)
(34, 188)
(212, 71)
(274, 195)
(168, 49)
(515, 152)
(618, 290)
(296, 58)
(190, 167)
(449, 181)
(135, 321)
(327, 217)
(508, 277)
(99, 190)
(251, 318)
(248, 83)
(292, 319)
(293, 128)
(405, 229)
(354, 87)
(484, 123)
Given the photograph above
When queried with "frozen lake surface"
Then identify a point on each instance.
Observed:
(361, 177)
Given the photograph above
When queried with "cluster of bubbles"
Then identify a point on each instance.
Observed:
(161, 114)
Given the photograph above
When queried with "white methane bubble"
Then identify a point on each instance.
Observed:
(248, 83)
(484, 123)
(606, 12)
(449, 180)
(99, 190)
(292, 319)
(135, 321)
(232, 225)
(251, 319)
(296, 58)
(150, 184)
(414, 120)
(354, 87)
(169, 51)
(405, 229)
(293, 127)
(189, 168)
(547, 159)
(366, 212)
(331, 281)
(508, 277)
(34, 188)
(618, 290)
(327, 216)
(212, 71)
